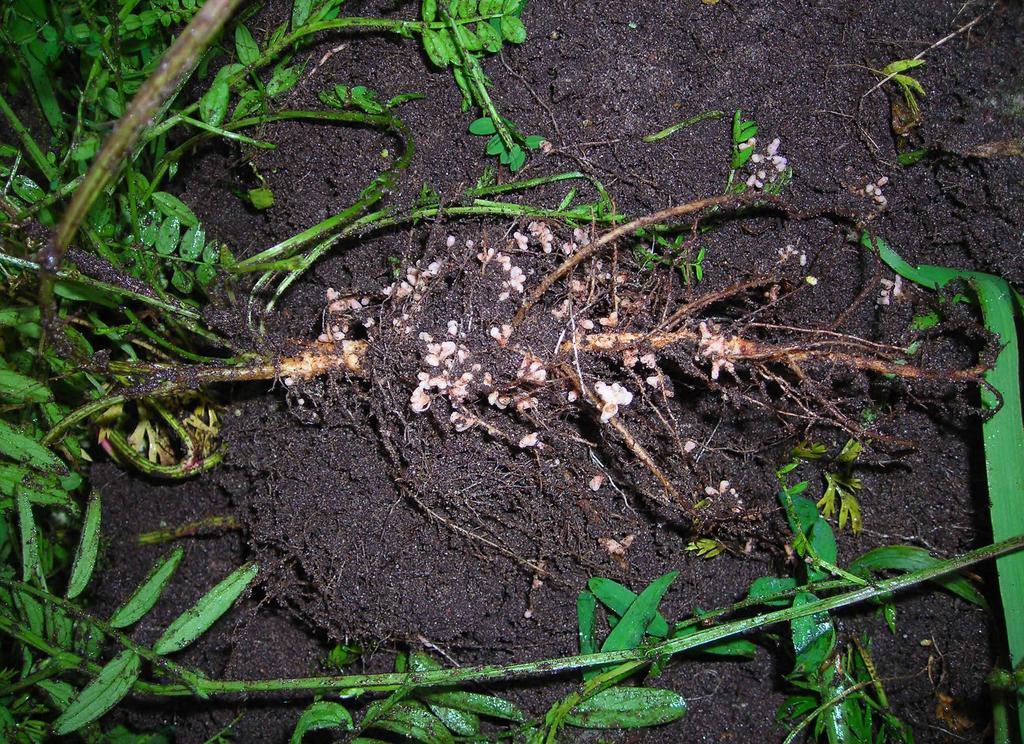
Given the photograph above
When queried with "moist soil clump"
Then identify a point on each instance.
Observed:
(457, 494)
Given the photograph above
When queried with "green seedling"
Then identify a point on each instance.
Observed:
(706, 547)
(841, 488)
(908, 85)
(673, 254)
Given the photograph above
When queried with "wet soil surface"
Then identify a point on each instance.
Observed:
(378, 524)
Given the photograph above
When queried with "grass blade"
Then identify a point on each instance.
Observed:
(30, 567)
(630, 629)
(88, 548)
(148, 592)
(21, 389)
(193, 622)
(25, 449)
(1002, 432)
(618, 599)
(474, 702)
(103, 693)
(628, 707)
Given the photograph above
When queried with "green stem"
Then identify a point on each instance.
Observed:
(197, 684)
(176, 64)
(73, 275)
(371, 194)
(28, 142)
(402, 28)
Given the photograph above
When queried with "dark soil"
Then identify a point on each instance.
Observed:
(377, 525)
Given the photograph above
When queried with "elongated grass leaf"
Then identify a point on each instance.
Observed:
(21, 389)
(619, 598)
(628, 707)
(414, 722)
(909, 558)
(474, 702)
(88, 548)
(29, 537)
(22, 448)
(148, 592)
(1002, 432)
(630, 629)
(322, 714)
(103, 693)
(195, 621)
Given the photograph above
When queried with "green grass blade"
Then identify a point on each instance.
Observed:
(103, 693)
(195, 621)
(88, 548)
(148, 592)
(628, 707)
(322, 714)
(909, 558)
(1002, 432)
(630, 630)
(618, 599)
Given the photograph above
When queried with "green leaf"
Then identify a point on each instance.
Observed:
(517, 158)
(167, 238)
(512, 29)
(765, 586)
(901, 65)
(214, 104)
(300, 12)
(413, 721)
(618, 599)
(428, 10)
(283, 79)
(630, 629)
(489, 37)
(321, 715)
(195, 621)
(30, 567)
(474, 702)
(88, 548)
(436, 49)
(148, 592)
(731, 647)
(468, 39)
(459, 722)
(171, 206)
(192, 244)
(112, 683)
(27, 450)
(628, 707)
(586, 604)
(21, 389)
(534, 141)
(483, 126)
(909, 558)
(495, 146)
(79, 292)
(246, 48)
(466, 8)
(490, 7)
(813, 636)
(27, 189)
(261, 198)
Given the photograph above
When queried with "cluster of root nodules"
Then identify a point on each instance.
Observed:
(615, 384)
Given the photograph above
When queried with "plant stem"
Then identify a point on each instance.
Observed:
(198, 684)
(28, 142)
(176, 64)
